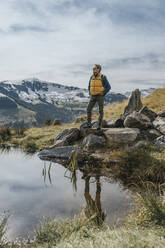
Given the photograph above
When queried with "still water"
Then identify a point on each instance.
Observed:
(29, 194)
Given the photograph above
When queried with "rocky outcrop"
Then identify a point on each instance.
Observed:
(148, 112)
(137, 125)
(159, 124)
(115, 122)
(60, 154)
(137, 120)
(93, 141)
(67, 137)
(134, 104)
(121, 135)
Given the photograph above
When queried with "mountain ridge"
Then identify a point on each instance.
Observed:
(45, 100)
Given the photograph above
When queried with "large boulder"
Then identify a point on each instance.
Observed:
(137, 120)
(67, 137)
(93, 141)
(160, 142)
(60, 154)
(161, 113)
(121, 135)
(149, 113)
(115, 122)
(159, 124)
(134, 104)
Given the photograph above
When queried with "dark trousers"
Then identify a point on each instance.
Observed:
(100, 100)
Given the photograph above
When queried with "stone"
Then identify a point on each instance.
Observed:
(59, 153)
(134, 104)
(160, 141)
(159, 124)
(93, 141)
(88, 131)
(84, 130)
(149, 134)
(139, 144)
(161, 113)
(115, 122)
(121, 135)
(137, 120)
(149, 113)
(154, 133)
(57, 122)
(95, 123)
(67, 137)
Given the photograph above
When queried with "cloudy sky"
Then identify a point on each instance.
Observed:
(60, 40)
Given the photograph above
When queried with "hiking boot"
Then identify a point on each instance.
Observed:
(98, 128)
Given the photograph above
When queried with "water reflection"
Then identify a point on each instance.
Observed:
(23, 193)
(93, 208)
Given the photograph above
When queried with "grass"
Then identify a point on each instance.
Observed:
(154, 101)
(40, 136)
(134, 167)
(5, 134)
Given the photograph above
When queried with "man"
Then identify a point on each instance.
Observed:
(98, 88)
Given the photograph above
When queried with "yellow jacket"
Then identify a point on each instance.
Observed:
(96, 85)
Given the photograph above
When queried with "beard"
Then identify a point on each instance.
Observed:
(95, 74)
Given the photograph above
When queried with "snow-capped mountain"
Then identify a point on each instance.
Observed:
(36, 91)
(31, 101)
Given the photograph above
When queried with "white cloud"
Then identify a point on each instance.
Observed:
(61, 40)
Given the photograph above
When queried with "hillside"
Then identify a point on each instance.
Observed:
(155, 101)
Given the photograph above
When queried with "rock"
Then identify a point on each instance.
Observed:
(67, 137)
(121, 135)
(95, 123)
(134, 104)
(137, 120)
(59, 153)
(139, 144)
(160, 142)
(93, 141)
(88, 131)
(57, 122)
(84, 130)
(154, 133)
(149, 134)
(149, 113)
(161, 113)
(159, 124)
(112, 123)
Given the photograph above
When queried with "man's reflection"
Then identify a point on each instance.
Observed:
(93, 208)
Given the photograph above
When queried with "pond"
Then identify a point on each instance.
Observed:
(32, 189)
